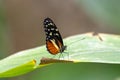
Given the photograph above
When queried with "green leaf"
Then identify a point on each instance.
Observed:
(103, 48)
(100, 48)
(19, 70)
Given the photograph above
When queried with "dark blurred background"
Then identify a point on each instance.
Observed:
(21, 21)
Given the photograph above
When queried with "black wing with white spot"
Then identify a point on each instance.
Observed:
(52, 33)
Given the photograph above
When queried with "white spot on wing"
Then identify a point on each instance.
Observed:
(51, 23)
(47, 38)
(50, 34)
(48, 29)
(46, 25)
(47, 21)
(52, 29)
(56, 29)
(57, 34)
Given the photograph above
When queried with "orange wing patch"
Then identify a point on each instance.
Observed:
(52, 47)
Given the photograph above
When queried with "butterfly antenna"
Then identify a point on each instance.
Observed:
(77, 40)
(61, 55)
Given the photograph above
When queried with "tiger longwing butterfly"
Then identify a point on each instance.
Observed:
(54, 42)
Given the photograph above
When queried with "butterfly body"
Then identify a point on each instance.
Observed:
(54, 42)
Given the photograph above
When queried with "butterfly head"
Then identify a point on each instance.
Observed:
(63, 48)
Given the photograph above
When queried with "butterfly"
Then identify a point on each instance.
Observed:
(54, 41)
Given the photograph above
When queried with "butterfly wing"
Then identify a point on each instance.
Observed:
(54, 40)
